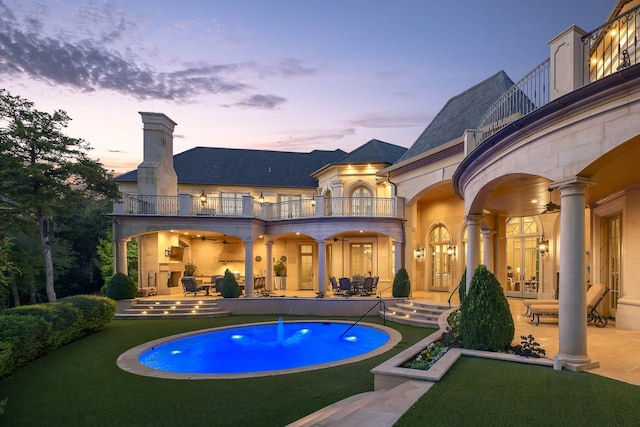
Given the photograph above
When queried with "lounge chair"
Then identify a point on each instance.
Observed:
(260, 287)
(190, 286)
(595, 294)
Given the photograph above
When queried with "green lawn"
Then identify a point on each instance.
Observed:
(80, 385)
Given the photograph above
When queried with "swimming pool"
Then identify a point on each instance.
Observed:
(259, 349)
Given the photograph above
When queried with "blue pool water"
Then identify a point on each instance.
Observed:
(263, 347)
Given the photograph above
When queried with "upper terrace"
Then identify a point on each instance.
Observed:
(608, 49)
(248, 207)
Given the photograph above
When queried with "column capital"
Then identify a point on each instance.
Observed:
(575, 182)
(473, 218)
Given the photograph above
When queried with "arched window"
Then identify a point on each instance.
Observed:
(328, 203)
(439, 240)
(361, 201)
(523, 257)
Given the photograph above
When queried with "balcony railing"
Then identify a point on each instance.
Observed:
(612, 46)
(150, 205)
(189, 205)
(524, 97)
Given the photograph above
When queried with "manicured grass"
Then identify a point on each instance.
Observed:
(81, 385)
(482, 392)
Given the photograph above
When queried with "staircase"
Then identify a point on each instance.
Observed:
(379, 408)
(150, 308)
(408, 312)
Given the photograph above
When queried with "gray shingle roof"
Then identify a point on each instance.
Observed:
(461, 112)
(231, 166)
(374, 151)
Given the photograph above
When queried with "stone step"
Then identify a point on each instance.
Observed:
(149, 308)
(411, 320)
(422, 314)
(379, 408)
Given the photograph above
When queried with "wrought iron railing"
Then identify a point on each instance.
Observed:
(297, 208)
(524, 97)
(612, 46)
(150, 205)
(218, 206)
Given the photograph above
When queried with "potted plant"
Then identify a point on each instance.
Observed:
(280, 270)
(190, 268)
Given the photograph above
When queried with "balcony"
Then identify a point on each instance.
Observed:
(190, 205)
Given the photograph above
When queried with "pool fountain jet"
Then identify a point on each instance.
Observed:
(280, 331)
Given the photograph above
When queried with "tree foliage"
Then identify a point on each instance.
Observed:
(485, 318)
(44, 173)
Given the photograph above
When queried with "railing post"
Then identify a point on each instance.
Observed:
(567, 67)
(247, 205)
(319, 206)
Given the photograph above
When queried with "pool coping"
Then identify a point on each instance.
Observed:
(129, 360)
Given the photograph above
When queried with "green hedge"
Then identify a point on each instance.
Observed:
(30, 331)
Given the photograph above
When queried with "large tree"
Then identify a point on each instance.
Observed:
(43, 171)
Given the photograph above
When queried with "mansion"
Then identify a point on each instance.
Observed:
(536, 179)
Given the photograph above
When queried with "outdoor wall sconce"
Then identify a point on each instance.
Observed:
(313, 201)
(451, 250)
(167, 252)
(543, 245)
(261, 199)
(419, 253)
(203, 199)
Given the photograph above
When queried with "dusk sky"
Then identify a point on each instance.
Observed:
(291, 75)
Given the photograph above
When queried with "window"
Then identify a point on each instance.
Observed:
(361, 201)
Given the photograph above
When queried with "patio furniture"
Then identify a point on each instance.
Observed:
(345, 286)
(335, 287)
(595, 294)
(367, 286)
(190, 286)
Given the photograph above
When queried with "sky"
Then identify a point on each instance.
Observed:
(287, 75)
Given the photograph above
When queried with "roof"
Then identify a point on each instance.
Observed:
(374, 151)
(233, 166)
(461, 112)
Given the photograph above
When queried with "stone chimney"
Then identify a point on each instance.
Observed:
(156, 175)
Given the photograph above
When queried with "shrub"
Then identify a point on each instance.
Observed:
(485, 319)
(401, 284)
(120, 286)
(6, 355)
(64, 320)
(27, 337)
(229, 287)
(96, 311)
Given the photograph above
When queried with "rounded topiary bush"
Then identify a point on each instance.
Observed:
(485, 317)
(229, 287)
(120, 286)
(401, 284)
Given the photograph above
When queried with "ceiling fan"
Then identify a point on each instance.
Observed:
(204, 237)
(550, 206)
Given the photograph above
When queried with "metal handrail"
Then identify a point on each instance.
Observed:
(527, 95)
(452, 293)
(361, 317)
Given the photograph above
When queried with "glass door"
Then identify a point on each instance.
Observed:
(306, 267)
(610, 254)
(523, 258)
(439, 240)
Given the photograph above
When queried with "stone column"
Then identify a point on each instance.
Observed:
(269, 273)
(473, 245)
(248, 269)
(321, 268)
(398, 255)
(487, 249)
(121, 257)
(572, 316)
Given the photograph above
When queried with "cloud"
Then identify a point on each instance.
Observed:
(263, 102)
(381, 121)
(89, 63)
(317, 138)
